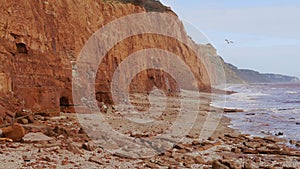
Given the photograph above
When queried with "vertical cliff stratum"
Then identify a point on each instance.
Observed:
(40, 40)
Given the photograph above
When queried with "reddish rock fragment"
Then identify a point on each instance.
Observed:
(15, 132)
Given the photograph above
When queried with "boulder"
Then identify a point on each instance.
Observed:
(72, 147)
(36, 137)
(218, 165)
(14, 132)
(248, 165)
(88, 146)
(199, 160)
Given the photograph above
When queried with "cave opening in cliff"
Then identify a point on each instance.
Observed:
(21, 48)
(64, 102)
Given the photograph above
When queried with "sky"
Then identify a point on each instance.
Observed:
(266, 33)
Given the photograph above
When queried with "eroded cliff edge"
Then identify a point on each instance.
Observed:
(40, 41)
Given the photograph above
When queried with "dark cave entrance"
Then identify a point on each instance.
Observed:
(64, 102)
(21, 48)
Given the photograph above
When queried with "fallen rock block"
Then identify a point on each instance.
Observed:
(97, 160)
(199, 160)
(218, 165)
(25, 114)
(249, 151)
(248, 165)
(61, 131)
(72, 147)
(232, 164)
(183, 148)
(35, 138)
(65, 161)
(274, 139)
(232, 135)
(252, 144)
(15, 132)
(88, 146)
(187, 159)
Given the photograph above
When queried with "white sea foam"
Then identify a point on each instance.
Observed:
(292, 92)
(268, 109)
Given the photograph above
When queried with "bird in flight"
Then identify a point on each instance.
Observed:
(228, 41)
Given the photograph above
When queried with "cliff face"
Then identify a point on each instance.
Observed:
(41, 39)
(220, 72)
(250, 76)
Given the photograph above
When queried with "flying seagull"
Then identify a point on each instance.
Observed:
(228, 41)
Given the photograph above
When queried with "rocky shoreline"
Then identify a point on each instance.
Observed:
(60, 142)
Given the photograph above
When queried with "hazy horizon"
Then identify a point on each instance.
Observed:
(265, 34)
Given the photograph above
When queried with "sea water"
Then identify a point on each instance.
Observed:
(269, 109)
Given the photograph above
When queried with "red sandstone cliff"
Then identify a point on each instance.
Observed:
(39, 39)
